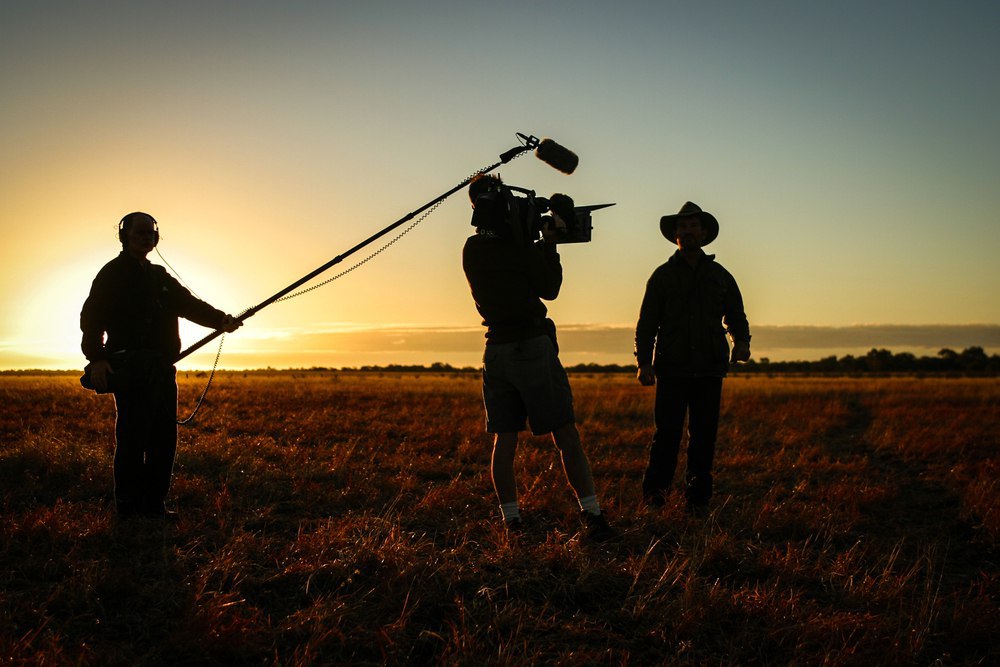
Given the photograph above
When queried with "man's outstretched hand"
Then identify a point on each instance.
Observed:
(231, 324)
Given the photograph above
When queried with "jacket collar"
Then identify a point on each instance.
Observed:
(678, 256)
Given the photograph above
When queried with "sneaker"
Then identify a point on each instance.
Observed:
(597, 527)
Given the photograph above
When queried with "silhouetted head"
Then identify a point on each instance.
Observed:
(481, 184)
(687, 220)
(138, 233)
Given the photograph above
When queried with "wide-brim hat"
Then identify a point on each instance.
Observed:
(668, 223)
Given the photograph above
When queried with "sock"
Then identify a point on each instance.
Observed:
(510, 511)
(589, 505)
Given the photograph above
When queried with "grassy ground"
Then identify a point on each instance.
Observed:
(340, 518)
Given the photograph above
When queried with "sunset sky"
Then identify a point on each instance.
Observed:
(850, 150)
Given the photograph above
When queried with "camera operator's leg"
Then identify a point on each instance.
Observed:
(578, 472)
(502, 471)
(505, 416)
(574, 460)
(502, 467)
(549, 401)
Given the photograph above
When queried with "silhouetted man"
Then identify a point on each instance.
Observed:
(523, 381)
(687, 301)
(131, 339)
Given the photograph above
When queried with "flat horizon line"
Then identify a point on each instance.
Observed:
(579, 343)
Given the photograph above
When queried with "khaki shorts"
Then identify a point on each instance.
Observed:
(524, 382)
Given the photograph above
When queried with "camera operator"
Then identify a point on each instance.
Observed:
(509, 273)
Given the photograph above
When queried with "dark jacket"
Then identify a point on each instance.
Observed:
(683, 312)
(508, 283)
(137, 304)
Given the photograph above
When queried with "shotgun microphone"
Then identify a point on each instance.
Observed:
(551, 153)
(556, 156)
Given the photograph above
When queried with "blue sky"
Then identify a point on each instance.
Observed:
(849, 150)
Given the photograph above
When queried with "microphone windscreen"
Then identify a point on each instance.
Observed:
(557, 156)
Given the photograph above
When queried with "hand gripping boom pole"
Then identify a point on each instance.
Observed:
(531, 142)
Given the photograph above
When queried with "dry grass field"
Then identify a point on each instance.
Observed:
(344, 518)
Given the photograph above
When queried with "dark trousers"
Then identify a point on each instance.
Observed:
(699, 398)
(145, 439)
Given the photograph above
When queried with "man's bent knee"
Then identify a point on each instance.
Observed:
(567, 437)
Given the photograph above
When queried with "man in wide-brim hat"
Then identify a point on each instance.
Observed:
(668, 223)
(690, 303)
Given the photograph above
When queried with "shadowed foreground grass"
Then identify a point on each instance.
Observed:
(339, 518)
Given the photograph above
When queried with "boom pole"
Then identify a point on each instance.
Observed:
(250, 312)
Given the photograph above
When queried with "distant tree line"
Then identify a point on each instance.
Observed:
(971, 360)
(436, 367)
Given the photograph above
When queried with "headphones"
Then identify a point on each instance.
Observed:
(125, 224)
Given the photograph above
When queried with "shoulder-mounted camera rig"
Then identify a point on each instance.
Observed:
(528, 218)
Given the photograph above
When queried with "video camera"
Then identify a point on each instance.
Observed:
(498, 209)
